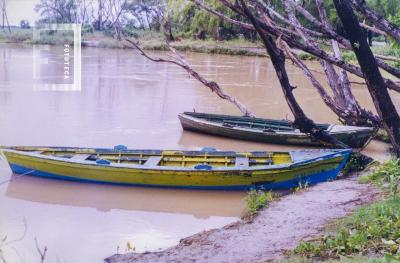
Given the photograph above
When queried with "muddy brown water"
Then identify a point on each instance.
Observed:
(128, 100)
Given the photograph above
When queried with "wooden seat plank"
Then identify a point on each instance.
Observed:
(242, 162)
(153, 161)
(81, 157)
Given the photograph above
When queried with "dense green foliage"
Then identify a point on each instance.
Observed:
(389, 9)
(190, 21)
(386, 8)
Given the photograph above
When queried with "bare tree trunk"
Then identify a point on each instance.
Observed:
(3, 13)
(343, 103)
(277, 57)
(375, 83)
(100, 15)
(168, 29)
(343, 84)
(118, 29)
(5, 17)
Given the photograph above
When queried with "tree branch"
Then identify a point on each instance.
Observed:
(212, 85)
(378, 20)
(277, 56)
(41, 253)
(318, 52)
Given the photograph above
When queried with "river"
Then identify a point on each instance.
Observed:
(126, 99)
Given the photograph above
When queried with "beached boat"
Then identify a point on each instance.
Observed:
(205, 169)
(267, 130)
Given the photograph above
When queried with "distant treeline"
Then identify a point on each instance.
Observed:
(124, 17)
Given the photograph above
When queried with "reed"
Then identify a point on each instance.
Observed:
(258, 199)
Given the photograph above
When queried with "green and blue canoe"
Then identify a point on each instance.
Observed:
(205, 169)
(268, 130)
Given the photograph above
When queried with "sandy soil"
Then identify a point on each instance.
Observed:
(277, 228)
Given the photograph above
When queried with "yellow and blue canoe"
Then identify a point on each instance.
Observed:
(205, 169)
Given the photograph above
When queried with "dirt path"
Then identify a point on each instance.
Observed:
(279, 227)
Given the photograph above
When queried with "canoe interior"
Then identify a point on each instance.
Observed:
(164, 158)
(248, 122)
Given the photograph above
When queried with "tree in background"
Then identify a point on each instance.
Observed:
(4, 15)
(55, 11)
(24, 24)
(197, 23)
(114, 17)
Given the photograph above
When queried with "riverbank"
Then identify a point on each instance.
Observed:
(149, 40)
(370, 233)
(279, 227)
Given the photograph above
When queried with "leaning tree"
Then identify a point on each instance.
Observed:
(288, 25)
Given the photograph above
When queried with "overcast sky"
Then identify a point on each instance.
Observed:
(21, 9)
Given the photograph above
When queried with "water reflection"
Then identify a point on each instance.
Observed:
(107, 197)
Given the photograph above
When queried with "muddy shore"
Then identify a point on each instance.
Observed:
(277, 228)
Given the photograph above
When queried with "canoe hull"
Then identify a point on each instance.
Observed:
(354, 139)
(321, 169)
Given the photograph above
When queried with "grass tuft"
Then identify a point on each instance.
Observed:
(258, 199)
(386, 175)
(302, 186)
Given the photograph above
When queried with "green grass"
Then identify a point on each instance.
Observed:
(306, 56)
(386, 175)
(231, 47)
(16, 35)
(354, 259)
(386, 50)
(258, 199)
(25, 36)
(302, 186)
(371, 230)
(349, 56)
(110, 43)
